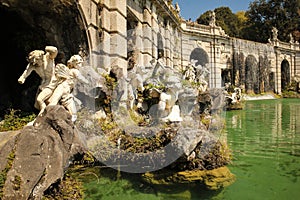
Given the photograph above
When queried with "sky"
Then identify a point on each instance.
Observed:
(194, 8)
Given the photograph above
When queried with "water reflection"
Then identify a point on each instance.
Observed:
(265, 139)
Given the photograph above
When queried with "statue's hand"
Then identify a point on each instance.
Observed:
(21, 80)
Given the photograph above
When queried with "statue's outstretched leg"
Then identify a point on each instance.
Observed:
(69, 103)
(42, 97)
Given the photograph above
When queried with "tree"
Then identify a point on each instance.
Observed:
(264, 14)
(231, 23)
(204, 18)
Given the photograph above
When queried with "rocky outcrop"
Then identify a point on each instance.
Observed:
(35, 157)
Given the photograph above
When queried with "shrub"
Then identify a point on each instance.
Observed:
(15, 120)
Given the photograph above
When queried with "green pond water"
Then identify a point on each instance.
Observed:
(265, 140)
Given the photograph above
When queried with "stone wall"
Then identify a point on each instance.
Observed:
(149, 29)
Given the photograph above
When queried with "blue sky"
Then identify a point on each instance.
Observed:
(194, 8)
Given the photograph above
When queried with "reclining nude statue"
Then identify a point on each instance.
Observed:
(58, 81)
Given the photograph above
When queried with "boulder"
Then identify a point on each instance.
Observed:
(36, 156)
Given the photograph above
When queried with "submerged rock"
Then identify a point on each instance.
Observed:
(36, 156)
(212, 179)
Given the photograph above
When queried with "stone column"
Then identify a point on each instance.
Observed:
(297, 63)
(292, 68)
(167, 44)
(215, 70)
(147, 34)
(155, 30)
(139, 43)
(162, 42)
(104, 62)
(176, 47)
(278, 73)
(186, 48)
(118, 36)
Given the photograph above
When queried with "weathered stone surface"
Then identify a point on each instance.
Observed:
(41, 153)
(218, 99)
(213, 179)
(7, 143)
(187, 139)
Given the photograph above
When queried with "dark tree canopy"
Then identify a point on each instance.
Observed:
(257, 22)
(204, 18)
(224, 18)
(264, 14)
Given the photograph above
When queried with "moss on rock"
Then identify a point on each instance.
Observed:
(213, 179)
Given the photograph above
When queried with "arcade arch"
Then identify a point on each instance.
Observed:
(251, 75)
(285, 74)
(200, 56)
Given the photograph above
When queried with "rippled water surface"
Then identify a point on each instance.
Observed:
(265, 140)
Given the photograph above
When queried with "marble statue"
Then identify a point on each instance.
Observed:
(275, 33)
(202, 72)
(165, 75)
(68, 75)
(212, 20)
(42, 62)
(190, 73)
(291, 38)
(236, 95)
(166, 103)
(57, 82)
(177, 8)
(197, 74)
(134, 87)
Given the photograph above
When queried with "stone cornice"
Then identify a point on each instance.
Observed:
(167, 10)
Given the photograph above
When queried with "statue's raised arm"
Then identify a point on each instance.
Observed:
(35, 59)
(42, 62)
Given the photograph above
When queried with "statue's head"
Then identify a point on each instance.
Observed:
(36, 57)
(75, 61)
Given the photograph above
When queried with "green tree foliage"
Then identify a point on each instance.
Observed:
(257, 22)
(228, 21)
(204, 18)
(264, 14)
(231, 23)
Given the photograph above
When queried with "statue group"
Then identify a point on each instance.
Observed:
(163, 82)
(57, 80)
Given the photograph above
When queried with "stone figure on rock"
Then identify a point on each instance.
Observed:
(134, 87)
(190, 73)
(167, 109)
(57, 82)
(42, 62)
(202, 73)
